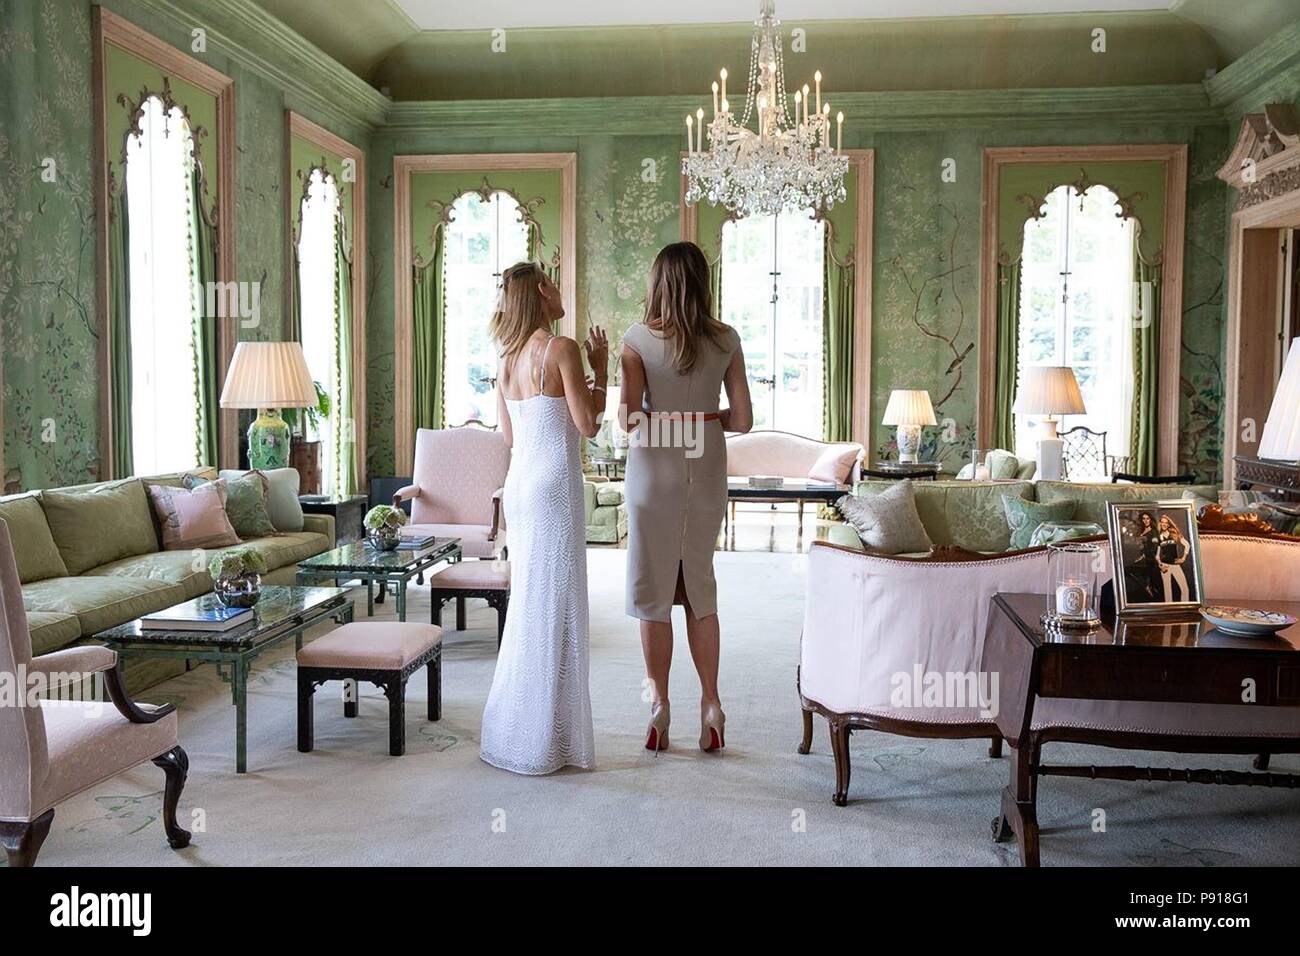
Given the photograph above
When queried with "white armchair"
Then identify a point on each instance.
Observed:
(875, 630)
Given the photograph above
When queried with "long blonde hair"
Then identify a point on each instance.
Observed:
(520, 310)
(680, 299)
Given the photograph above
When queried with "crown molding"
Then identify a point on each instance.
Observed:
(255, 39)
(1184, 104)
(1268, 73)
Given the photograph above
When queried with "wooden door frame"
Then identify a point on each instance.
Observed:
(1267, 201)
(863, 163)
(298, 126)
(1174, 157)
(403, 258)
(113, 30)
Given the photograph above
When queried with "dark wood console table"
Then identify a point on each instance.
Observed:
(1176, 659)
(1277, 476)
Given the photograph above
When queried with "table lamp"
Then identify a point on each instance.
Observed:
(1049, 390)
(1281, 438)
(268, 376)
(910, 410)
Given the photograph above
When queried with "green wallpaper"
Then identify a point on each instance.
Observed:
(47, 247)
(926, 282)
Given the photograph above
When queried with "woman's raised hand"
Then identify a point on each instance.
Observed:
(597, 347)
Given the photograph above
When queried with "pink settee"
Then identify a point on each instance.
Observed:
(793, 456)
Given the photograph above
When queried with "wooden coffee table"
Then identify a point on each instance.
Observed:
(359, 561)
(1175, 659)
(282, 613)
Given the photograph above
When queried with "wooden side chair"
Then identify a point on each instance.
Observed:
(51, 750)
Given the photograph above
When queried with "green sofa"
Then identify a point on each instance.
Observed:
(606, 511)
(89, 558)
(970, 515)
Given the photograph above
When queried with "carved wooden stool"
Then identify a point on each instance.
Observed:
(489, 580)
(383, 653)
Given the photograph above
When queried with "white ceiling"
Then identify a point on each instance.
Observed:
(488, 14)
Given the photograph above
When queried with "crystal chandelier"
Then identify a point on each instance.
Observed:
(788, 163)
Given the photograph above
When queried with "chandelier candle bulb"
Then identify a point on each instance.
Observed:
(690, 148)
(839, 132)
(715, 99)
(724, 89)
(817, 79)
(805, 103)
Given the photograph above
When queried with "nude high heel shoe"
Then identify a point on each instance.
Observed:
(656, 738)
(712, 728)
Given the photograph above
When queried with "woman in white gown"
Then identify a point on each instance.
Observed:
(538, 713)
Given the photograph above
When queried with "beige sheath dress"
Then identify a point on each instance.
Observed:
(676, 495)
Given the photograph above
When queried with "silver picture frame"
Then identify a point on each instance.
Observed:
(1155, 557)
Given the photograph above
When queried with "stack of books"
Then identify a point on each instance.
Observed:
(415, 540)
(201, 614)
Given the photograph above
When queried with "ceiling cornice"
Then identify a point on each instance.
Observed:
(255, 39)
(1263, 75)
(876, 112)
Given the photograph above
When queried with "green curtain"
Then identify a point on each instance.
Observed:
(1146, 365)
(119, 335)
(837, 347)
(1008, 358)
(429, 310)
(346, 479)
(203, 237)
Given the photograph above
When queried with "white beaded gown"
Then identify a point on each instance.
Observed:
(538, 713)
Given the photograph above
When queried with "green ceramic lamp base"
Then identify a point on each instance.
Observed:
(268, 441)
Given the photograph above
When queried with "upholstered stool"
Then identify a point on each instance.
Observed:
(382, 653)
(489, 580)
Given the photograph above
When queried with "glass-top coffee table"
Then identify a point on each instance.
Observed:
(359, 561)
(282, 612)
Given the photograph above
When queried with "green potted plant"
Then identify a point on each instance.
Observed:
(237, 576)
(305, 454)
(383, 526)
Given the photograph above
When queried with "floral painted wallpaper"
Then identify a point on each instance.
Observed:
(926, 268)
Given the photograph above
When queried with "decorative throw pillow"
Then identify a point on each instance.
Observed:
(97, 524)
(282, 504)
(888, 522)
(834, 464)
(1003, 466)
(193, 519)
(246, 505)
(36, 553)
(1024, 517)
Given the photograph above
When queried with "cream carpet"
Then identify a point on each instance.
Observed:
(913, 801)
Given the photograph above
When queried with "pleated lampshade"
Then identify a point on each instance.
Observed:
(1281, 438)
(268, 375)
(1049, 390)
(909, 406)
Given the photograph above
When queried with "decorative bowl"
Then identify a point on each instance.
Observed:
(384, 539)
(240, 590)
(1246, 621)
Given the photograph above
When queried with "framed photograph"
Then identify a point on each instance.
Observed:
(1156, 555)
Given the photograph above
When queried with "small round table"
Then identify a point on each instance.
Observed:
(898, 470)
(611, 468)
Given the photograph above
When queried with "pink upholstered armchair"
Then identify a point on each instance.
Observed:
(457, 488)
(56, 749)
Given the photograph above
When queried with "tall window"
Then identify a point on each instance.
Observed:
(318, 298)
(483, 239)
(164, 301)
(772, 284)
(1076, 309)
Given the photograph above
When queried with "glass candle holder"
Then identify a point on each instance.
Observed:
(979, 464)
(1074, 570)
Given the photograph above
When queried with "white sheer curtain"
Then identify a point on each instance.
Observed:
(483, 239)
(164, 406)
(1077, 301)
(317, 285)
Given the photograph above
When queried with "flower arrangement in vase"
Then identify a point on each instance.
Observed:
(237, 576)
(383, 527)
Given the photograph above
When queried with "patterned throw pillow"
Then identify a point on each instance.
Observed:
(887, 523)
(246, 505)
(193, 518)
(1024, 517)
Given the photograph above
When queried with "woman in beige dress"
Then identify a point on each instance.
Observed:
(674, 365)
